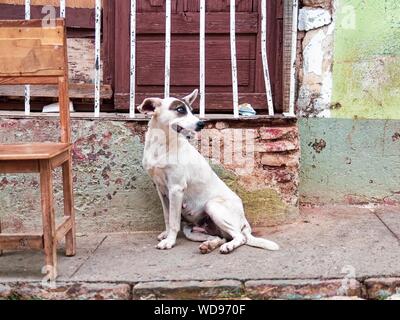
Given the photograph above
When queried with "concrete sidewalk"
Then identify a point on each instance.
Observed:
(331, 251)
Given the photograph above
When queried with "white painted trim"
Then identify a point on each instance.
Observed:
(233, 58)
(267, 79)
(27, 87)
(97, 60)
(292, 90)
(62, 8)
(133, 61)
(167, 48)
(202, 58)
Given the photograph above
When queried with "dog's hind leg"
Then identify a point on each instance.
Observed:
(223, 215)
(211, 244)
(193, 235)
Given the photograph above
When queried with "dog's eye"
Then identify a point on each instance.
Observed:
(181, 110)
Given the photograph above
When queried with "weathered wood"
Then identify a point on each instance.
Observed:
(60, 159)
(185, 49)
(42, 157)
(97, 79)
(23, 166)
(108, 41)
(48, 218)
(234, 69)
(216, 102)
(287, 53)
(1, 251)
(190, 23)
(81, 60)
(186, 73)
(76, 17)
(63, 228)
(21, 241)
(55, 3)
(28, 79)
(267, 79)
(167, 49)
(202, 59)
(69, 210)
(132, 103)
(76, 90)
(29, 50)
(32, 151)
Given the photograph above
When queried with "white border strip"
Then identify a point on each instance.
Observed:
(292, 93)
(97, 60)
(233, 59)
(62, 8)
(133, 61)
(202, 58)
(267, 78)
(167, 48)
(27, 87)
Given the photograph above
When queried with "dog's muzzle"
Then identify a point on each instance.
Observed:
(200, 126)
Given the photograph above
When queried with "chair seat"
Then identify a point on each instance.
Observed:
(32, 151)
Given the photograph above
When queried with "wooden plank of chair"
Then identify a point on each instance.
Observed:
(31, 56)
(64, 228)
(32, 151)
(21, 241)
(36, 23)
(24, 166)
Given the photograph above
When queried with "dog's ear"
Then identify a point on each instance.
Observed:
(191, 97)
(149, 105)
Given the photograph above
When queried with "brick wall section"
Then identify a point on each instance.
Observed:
(112, 191)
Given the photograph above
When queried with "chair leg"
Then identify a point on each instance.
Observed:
(70, 238)
(1, 251)
(48, 217)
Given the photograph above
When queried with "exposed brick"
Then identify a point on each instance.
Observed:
(298, 289)
(318, 3)
(188, 290)
(278, 160)
(280, 146)
(382, 288)
(274, 133)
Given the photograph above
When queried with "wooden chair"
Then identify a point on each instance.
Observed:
(30, 54)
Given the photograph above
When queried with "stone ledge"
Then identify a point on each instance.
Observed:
(382, 288)
(295, 289)
(66, 291)
(299, 289)
(221, 289)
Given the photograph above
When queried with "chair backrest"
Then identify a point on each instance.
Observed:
(31, 54)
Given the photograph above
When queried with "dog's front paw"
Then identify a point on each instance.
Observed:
(165, 244)
(226, 248)
(163, 235)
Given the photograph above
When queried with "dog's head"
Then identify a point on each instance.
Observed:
(174, 113)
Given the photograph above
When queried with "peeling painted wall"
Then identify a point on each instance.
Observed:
(366, 81)
(350, 161)
(114, 194)
(349, 75)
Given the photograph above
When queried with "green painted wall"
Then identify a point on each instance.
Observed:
(350, 161)
(354, 157)
(366, 72)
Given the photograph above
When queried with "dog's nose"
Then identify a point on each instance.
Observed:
(200, 126)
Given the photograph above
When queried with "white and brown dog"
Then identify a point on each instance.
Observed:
(189, 189)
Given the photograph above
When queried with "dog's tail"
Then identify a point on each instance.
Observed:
(259, 242)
